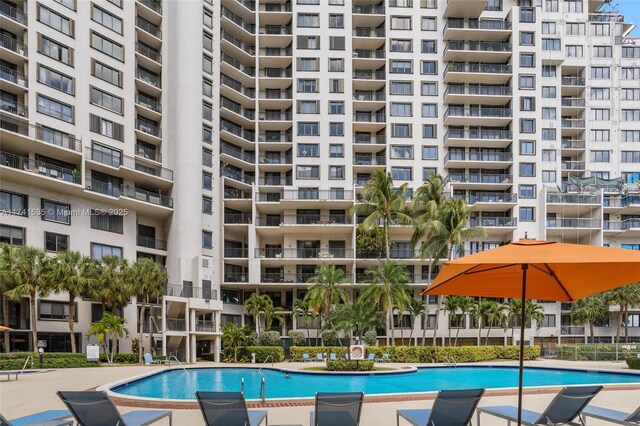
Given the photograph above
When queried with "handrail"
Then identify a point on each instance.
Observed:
(263, 391)
(177, 360)
(449, 361)
(242, 385)
(264, 362)
(25, 363)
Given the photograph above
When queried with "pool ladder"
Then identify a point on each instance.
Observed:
(450, 361)
(25, 364)
(177, 360)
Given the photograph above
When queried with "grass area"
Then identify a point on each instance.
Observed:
(325, 369)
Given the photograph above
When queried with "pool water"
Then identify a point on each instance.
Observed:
(179, 384)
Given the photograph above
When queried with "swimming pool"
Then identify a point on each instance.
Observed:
(177, 384)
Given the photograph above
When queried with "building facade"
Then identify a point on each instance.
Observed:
(228, 140)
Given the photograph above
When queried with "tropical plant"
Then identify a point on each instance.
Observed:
(111, 327)
(416, 308)
(111, 287)
(370, 337)
(27, 270)
(354, 319)
(74, 273)
(625, 297)
(388, 289)
(296, 338)
(271, 314)
(147, 279)
(382, 203)
(450, 306)
(326, 291)
(302, 310)
(370, 242)
(256, 304)
(494, 315)
(465, 305)
(234, 336)
(6, 284)
(589, 310)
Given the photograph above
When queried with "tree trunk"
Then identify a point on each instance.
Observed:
(72, 336)
(141, 327)
(435, 328)
(114, 343)
(306, 321)
(393, 340)
(34, 319)
(413, 324)
(591, 330)
(619, 326)
(457, 333)
(626, 323)
(5, 321)
(424, 326)
(386, 239)
(486, 339)
(449, 328)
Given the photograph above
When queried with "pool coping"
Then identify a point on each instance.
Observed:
(145, 402)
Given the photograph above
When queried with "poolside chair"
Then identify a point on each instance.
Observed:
(228, 409)
(372, 357)
(451, 408)
(337, 408)
(48, 418)
(305, 358)
(319, 357)
(97, 409)
(565, 407)
(148, 359)
(385, 358)
(612, 416)
(332, 357)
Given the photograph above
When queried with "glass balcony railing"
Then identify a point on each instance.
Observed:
(148, 102)
(237, 86)
(12, 13)
(573, 123)
(275, 137)
(482, 24)
(561, 198)
(304, 253)
(478, 90)
(150, 242)
(227, 126)
(251, 50)
(478, 46)
(368, 32)
(236, 19)
(573, 144)
(483, 134)
(14, 161)
(250, 71)
(369, 138)
(176, 290)
(492, 222)
(478, 156)
(149, 52)
(12, 44)
(236, 175)
(573, 223)
(237, 218)
(154, 5)
(573, 81)
(491, 197)
(368, 10)
(369, 160)
(149, 78)
(478, 112)
(478, 68)
(369, 75)
(238, 153)
(480, 178)
(573, 102)
(148, 128)
(13, 107)
(147, 26)
(13, 76)
(573, 165)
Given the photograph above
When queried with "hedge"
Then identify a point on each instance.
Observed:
(344, 365)
(425, 354)
(633, 363)
(592, 352)
(276, 354)
(121, 358)
(15, 360)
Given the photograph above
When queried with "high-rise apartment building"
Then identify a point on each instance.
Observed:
(228, 139)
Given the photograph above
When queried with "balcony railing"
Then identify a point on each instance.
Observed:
(148, 102)
(283, 277)
(310, 194)
(206, 326)
(150, 242)
(478, 156)
(573, 123)
(250, 71)
(39, 167)
(572, 81)
(249, 4)
(483, 24)
(478, 46)
(275, 94)
(249, 157)
(176, 324)
(13, 76)
(234, 129)
(369, 96)
(573, 102)
(276, 159)
(237, 219)
(275, 72)
(154, 5)
(275, 180)
(573, 223)
(275, 116)
(490, 197)
(105, 188)
(275, 30)
(146, 127)
(147, 26)
(13, 107)
(118, 160)
(235, 277)
(237, 194)
(369, 75)
(573, 198)
(489, 178)
(571, 330)
(276, 51)
(236, 175)
(304, 253)
(12, 44)
(147, 196)
(369, 138)
(369, 117)
(573, 165)
(250, 28)
(42, 134)
(361, 160)
(492, 222)
(369, 54)
(368, 32)
(233, 252)
(275, 7)
(478, 112)
(573, 144)
(478, 89)
(13, 13)
(251, 50)
(149, 78)
(612, 225)
(275, 137)
(629, 200)
(369, 10)
(249, 114)
(237, 86)
(632, 223)
(189, 291)
(149, 52)
(304, 219)
(478, 134)
(149, 154)
(478, 68)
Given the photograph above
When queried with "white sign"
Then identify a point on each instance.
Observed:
(41, 344)
(356, 352)
(93, 353)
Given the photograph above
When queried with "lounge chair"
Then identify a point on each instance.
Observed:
(372, 357)
(47, 418)
(565, 407)
(305, 358)
(149, 359)
(385, 358)
(228, 409)
(319, 357)
(97, 409)
(337, 408)
(451, 408)
(612, 416)
(332, 357)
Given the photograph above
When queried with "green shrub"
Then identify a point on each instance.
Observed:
(370, 337)
(211, 357)
(269, 338)
(633, 362)
(592, 352)
(344, 365)
(276, 353)
(15, 360)
(329, 338)
(121, 358)
(295, 352)
(297, 338)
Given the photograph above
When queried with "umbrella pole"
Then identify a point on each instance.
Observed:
(522, 321)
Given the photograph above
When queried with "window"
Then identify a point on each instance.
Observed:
(55, 21)
(429, 110)
(401, 130)
(207, 157)
(336, 64)
(600, 114)
(549, 176)
(549, 92)
(207, 111)
(573, 6)
(630, 94)
(55, 79)
(207, 64)
(336, 107)
(336, 151)
(106, 73)
(308, 20)
(527, 191)
(527, 81)
(574, 29)
(55, 50)
(308, 42)
(549, 28)
(400, 22)
(600, 93)
(429, 46)
(401, 66)
(107, 46)
(527, 147)
(207, 42)
(402, 152)
(207, 19)
(106, 100)
(527, 169)
(630, 115)
(308, 64)
(527, 125)
(55, 311)
(429, 152)
(549, 155)
(307, 85)
(429, 24)
(207, 205)
(601, 73)
(106, 127)
(551, 5)
(630, 157)
(55, 242)
(401, 45)
(527, 38)
(53, 211)
(12, 235)
(207, 180)
(308, 107)
(574, 51)
(527, 14)
(308, 172)
(599, 135)
(70, 4)
(401, 173)
(494, 5)
(336, 129)
(308, 150)
(602, 51)
(549, 70)
(526, 214)
(630, 52)
(527, 104)
(549, 113)
(429, 67)
(630, 135)
(401, 109)
(336, 21)
(428, 171)
(55, 109)
(600, 156)
(336, 85)
(14, 203)
(98, 251)
(527, 60)
(550, 44)
(429, 88)
(207, 239)
(549, 134)
(401, 88)
(106, 19)
(107, 222)
(629, 73)
(336, 43)
(549, 320)
(308, 129)
(336, 172)
(429, 131)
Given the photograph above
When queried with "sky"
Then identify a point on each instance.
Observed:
(631, 11)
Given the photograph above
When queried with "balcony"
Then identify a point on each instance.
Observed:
(237, 219)
(202, 326)
(235, 41)
(483, 116)
(235, 277)
(480, 73)
(154, 5)
(249, 114)
(275, 116)
(369, 117)
(562, 198)
(236, 19)
(40, 133)
(13, 107)
(176, 324)
(279, 180)
(148, 128)
(148, 102)
(228, 59)
(369, 160)
(477, 51)
(276, 51)
(148, 27)
(236, 252)
(237, 194)
(248, 157)
(480, 180)
(152, 243)
(237, 176)
(275, 94)
(149, 78)
(490, 138)
(464, 8)
(493, 222)
(189, 291)
(275, 72)
(573, 165)
(368, 10)
(573, 81)
(571, 330)
(573, 102)
(565, 222)
(146, 196)
(117, 161)
(149, 154)
(237, 86)
(369, 54)
(304, 219)
(469, 29)
(13, 14)
(304, 253)
(477, 158)
(275, 137)
(234, 129)
(312, 195)
(368, 32)
(13, 45)
(12, 76)
(573, 123)
(275, 30)
(477, 93)
(369, 96)
(491, 201)
(282, 277)
(366, 138)
(568, 144)
(28, 165)
(276, 159)
(149, 52)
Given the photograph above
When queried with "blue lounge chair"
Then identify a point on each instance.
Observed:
(228, 409)
(612, 416)
(97, 409)
(48, 418)
(372, 357)
(319, 357)
(332, 357)
(565, 407)
(305, 358)
(149, 359)
(337, 408)
(385, 358)
(451, 408)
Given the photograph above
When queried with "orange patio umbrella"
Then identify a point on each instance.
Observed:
(4, 328)
(533, 269)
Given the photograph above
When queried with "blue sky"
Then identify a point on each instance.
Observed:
(631, 11)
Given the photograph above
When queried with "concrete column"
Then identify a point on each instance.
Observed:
(190, 317)
(164, 327)
(218, 348)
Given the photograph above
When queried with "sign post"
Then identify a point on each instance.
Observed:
(93, 352)
(356, 352)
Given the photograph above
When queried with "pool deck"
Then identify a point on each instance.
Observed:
(36, 392)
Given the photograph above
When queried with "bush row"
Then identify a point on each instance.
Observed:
(633, 363)
(425, 354)
(344, 365)
(275, 353)
(592, 352)
(15, 360)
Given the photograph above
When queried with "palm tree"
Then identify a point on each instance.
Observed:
(465, 304)
(271, 314)
(234, 336)
(589, 310)
(632, 295)
(383, 203)
(416, 308)
(533, 312)
(450, 306)
(355, 319)
(6, 284)
(254, 305)
(625, 296)
(74, 273)
(495, 316)
(388, 288)
(479, 311)
(302, 310)
(27, 271)
(326, 291)
(112, 326)
(147, 279)
(111, 287)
